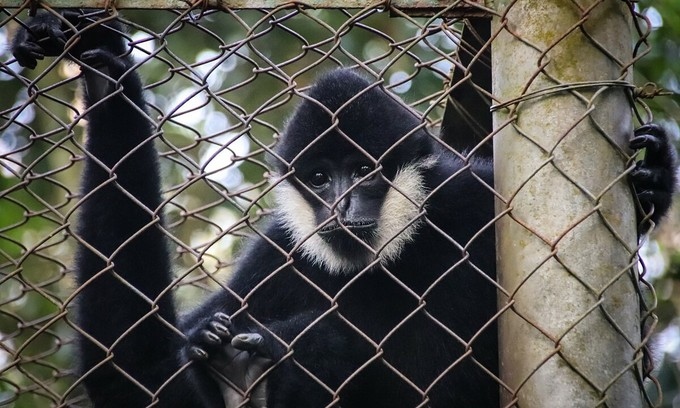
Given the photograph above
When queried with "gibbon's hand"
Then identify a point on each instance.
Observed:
(99, 50)
(236, 361)
(654, 178)
(45, 35)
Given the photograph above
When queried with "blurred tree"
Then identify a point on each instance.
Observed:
(208, 56)
(662, 66)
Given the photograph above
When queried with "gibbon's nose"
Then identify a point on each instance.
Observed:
(343, 205)
(343, 198)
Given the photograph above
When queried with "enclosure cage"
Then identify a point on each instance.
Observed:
(543, 90)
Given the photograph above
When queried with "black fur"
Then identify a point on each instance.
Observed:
(655, 178)
(425, 315)
(110, 215)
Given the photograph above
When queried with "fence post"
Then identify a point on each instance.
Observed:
(566, 242)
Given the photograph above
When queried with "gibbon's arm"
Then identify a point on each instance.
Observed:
(227, 333)
(127, 340)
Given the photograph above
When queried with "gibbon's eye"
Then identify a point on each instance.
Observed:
(318, 179)
(363, 171)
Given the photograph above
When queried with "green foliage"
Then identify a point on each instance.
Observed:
(204, 99)
(38, 197)
(662, 64)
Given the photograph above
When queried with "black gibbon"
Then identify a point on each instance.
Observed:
(373, 281)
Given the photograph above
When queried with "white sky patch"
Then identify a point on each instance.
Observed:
(4, 40)
(374, 49)
(150, 97)
(203, 236)
(218, 160)
(670, 81)
(446, 41)
(8, 168)
(229, 64)
(144, 46)
(4, 76)
(655, 263)
(669, 340)
(208, 66)
(213, 66)
(10, 140)
(671, 127)
(441, 40)
(215, 123)
(443, 65)
(398, 77)
(191, 106)
(654, 17)
(27, 114)
(7, 344)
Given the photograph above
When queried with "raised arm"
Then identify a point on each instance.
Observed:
(128, 349)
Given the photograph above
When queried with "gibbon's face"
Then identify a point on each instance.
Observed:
(346, 213)
(343, 210)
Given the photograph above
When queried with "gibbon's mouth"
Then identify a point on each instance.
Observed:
(362, 229)
(350, 239)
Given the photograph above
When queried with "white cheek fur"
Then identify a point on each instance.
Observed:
(399, 219)
(397, 225)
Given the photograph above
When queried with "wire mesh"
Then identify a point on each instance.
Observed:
(220, 87)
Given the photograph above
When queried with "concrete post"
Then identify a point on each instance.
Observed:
(566, 244)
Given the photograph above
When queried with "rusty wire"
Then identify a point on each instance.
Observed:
(216, 113)
(588, 93)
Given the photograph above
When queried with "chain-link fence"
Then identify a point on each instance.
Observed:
(332, 231)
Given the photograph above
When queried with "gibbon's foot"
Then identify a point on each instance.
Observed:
(104, 61)
(102, 70)
(654, 178)
(236, 361)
